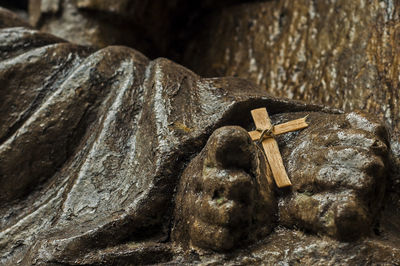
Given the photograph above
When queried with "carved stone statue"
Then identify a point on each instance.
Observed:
(107, 157)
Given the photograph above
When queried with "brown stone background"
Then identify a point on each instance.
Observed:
(344, 54)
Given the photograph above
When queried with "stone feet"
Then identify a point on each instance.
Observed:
(338, 166)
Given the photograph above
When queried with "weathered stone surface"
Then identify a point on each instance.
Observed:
(224, 199)
(154, 27)
(10, 19)
(340, 181)
(145, 25)
(292, 247)
(19, 7)
(64, 19)
(338, 53)
(342, 53)
(98, 142)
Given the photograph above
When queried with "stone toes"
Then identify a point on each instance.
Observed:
(231, 147)
(351, 220)
(236, 186)
(213, 237)
(340, 215)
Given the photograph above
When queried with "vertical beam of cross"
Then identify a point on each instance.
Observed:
(270, 145)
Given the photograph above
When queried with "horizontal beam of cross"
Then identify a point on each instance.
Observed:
(282, 128)
(269, 143)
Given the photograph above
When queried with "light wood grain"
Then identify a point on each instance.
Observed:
(282, 128)
(262, 121)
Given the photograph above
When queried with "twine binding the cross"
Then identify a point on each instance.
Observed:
(266, 133)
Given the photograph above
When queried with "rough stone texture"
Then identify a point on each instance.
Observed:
(10, 19)
(224, 199)
(95, 144)
(341, 53)
(340, 181)
(19, 7)
(338, 53)
(154, 27)
(63, 18)
(292, 247)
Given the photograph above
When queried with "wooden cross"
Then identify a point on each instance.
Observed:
(270, 145)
